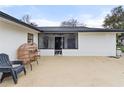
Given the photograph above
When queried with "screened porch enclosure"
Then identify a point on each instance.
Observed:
(58, 41)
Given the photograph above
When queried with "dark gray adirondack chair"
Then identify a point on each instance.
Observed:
(7, 67)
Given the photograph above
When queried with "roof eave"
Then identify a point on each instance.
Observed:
(10, 18)
(78, 29)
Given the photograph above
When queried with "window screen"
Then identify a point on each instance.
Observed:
(30, 38)
(47, 40)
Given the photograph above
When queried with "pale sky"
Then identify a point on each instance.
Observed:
(53, 15)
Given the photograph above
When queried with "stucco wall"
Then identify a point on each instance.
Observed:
(12, 36)
(90, 44)
(97, 44)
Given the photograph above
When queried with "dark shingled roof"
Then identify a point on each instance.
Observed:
(77, 29)
(13, 19)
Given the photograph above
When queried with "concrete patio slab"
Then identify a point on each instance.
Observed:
(61, 71)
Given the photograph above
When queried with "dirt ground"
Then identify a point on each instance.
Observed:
(61, 71)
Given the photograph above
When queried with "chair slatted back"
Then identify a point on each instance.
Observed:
(4, 60)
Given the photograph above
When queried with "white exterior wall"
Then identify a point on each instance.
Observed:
(47, 52)
(13, 35)
(90, 44)
(97, 44)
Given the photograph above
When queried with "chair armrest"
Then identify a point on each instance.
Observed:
(17, 62)
(5, 67)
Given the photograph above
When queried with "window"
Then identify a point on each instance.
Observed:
(71, 41)
(45, 41)
(30, 38)
(68, 40)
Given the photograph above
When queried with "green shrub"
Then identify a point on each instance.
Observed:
(122, 48)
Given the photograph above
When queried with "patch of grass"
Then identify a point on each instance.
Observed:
(121, 48)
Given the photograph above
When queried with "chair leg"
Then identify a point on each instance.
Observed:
(24, 71)
(14, 76)
(37, 61)
(31, 66)
(3, 76)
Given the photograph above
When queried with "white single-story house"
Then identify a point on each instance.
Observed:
(65, 41)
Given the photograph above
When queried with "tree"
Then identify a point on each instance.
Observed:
(27, 19)
(71, 23)
(115, 19)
